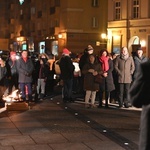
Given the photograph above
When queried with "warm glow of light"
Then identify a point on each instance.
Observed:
(59, 36)
(14, 96)
(116, 37)
(143, 43)
(103, 36)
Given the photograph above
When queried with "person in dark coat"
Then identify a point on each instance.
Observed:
(25, 68)
(12, 71)
(3, 76)
(107, 84)
(90, 70)
(67, 69)
(139, 95)
(42, 72)
(83, 60)
(138, 59)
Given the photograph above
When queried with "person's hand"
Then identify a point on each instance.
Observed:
(91, 70)
(95, 73)
(105, 74)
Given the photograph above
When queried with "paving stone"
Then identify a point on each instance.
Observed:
(70, 146)
(16, 140)
(78, 137)
(6, 148)
(33, 147)
(9, 132)
(48, 138)
(103, 145)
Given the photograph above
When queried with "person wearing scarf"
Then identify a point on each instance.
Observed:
(107, 84)
(124, 66)
(25, 69)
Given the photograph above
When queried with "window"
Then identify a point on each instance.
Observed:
(57, 2)
(39, 15)
(32, 10)
(94, 22)
(94, 3)
(52, 10)
(135, 9)
(117, 10)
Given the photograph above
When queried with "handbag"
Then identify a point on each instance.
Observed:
(98, 78)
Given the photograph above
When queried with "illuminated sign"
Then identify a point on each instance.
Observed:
(21, 2)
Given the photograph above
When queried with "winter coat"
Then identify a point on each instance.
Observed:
(124, 69)
(44, 71)
(140, 97)
(137, 62)
(66, 68)
(89, 83)
(11, 67)
(3, 72)
(25, 70)
(107, 82)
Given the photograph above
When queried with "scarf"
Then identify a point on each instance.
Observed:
(125, 57)
(105, 64)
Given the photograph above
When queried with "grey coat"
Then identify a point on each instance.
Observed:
(124, 69)
(139, 94)
(25, 70)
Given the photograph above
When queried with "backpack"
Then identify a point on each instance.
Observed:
(57, 68)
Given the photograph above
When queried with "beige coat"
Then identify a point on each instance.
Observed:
(124, 69)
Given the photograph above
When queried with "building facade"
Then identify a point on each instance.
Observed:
(129, 25)
(51, 25)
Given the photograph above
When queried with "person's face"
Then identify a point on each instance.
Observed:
(24, 54)
(104, 53)
(13, 57)
(124, 51)
(92, 59)
(90, 52)
(140, 53)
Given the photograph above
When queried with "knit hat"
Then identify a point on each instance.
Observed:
(12, 53)
(66, 51)
(90, 48)
(139, 48)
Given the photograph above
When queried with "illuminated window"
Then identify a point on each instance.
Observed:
(117, 10)
(135, 9)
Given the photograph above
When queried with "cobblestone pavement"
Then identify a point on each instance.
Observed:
(53, 125)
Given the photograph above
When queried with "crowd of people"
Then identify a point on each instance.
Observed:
(117, 72)
(77, 74)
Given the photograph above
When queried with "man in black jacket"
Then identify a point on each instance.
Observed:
(67, 69)
(139, 95)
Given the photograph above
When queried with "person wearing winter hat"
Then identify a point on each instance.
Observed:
(67, 70)
(66, 52)
(138, 59)
(90, 49)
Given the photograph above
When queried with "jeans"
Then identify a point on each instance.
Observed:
(25, 92)
(67, 90)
